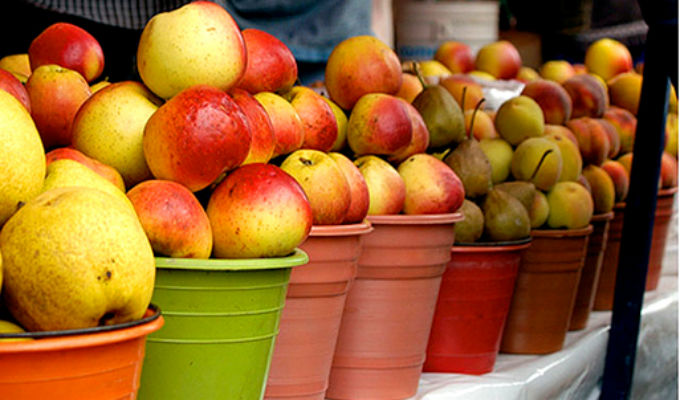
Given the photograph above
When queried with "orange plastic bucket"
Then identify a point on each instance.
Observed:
(310, 320)
(662, 218)
(472, 307)
(388, 314)
(95, 364)
(604, 293)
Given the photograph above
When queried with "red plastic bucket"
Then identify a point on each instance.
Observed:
(310, 320)
(388, 314)
(474, 299)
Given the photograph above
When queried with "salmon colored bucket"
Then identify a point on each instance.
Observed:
(545, 291)
(221, 319)
(388, 314)
(585, 294)
(662, 218)
(604, 294)
(473, 304)
(95, 363)
(310, 320)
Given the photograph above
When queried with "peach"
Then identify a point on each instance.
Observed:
(70, 47)
(625, 124)
(607, 58)
(13, 86)
(104, 170)
(379, 124)
(527, 74)
(500, 59)
(537, 160)
(572, 163)
(455, 85)
(386, 188)
(584, 182)
(669, 171)
(540, 210)
(431, 186)
(420, 137)
(270, 65)
(410, 87)
(613, 136)
(289, 131)
(499, 153)
(518, 119)
(557, 70)
(620, 177)
(627, 161)
(593, 140)
(601, 188)
(561, 130)
(579, 69)
(624, 90)
(358, 66)
(56, 94)
(263, 140)
(318, 121)
(359, 200)
(173, 219)
(552, 98)
(456, 56)
(589, 98)
(571, 206)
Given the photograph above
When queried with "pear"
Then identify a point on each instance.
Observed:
(522, 191)
(471, 228)
(505, 218)
(470, 163)
(442, 115)
(73, 258)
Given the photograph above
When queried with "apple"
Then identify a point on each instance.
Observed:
(459, 84)
(270, 65)
(360, 65)
(196, 136)
(173, 219)
(624, 91)
(431, 186)
(410, 87)
(261, 128)
(527, 74)
(432, 69)
(110, 125)
(341, 119)
(68, 46)
(500, 59)
(99, 86)
(56, 94)
(420, 137)
(105, 171)
(18, 65)
(13, 86)
(572, 162)
(258, 211)
(198, 43)
(358, 206)
(379, 124)
(289, 131)
(324, 184)
(552, 98)
(607, 58)
(386, 188)
(483, 126)
(557, 70)
(318, 120)
(456, 56)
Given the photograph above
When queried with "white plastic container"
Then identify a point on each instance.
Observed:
(421, 26)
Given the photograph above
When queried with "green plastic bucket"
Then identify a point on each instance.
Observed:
(221, 319)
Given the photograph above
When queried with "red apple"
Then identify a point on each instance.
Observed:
(379, 124)
(261, 128)
(358, 206)
(173, 219)
(289, 132)
(270, 65)
(69, 46)
(318, 120)
(258, 211)
(420, 137)
(361, 65)
(196, 136)
(386, 188)
(13, 86)
(500, 59)
(104, 170)
(56, 94)
(455, 56)
(431, 186)
(323, 182)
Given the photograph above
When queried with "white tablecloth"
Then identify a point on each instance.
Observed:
(575, 371)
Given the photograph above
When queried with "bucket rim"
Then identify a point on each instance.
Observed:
(85, 337)
(558, 233)
(297, 258)
(416, 219)
(360, 228)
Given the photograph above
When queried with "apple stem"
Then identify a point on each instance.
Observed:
(419, 75)
(462, 100)
(474, 115)
(540, 162)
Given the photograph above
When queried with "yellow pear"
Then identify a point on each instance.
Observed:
(75, 257)
(68, 173)
(22, 168)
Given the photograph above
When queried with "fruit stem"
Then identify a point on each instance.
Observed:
(462, 100)
(419, 75)
(474, 115)
(306, 161)
(540, 162)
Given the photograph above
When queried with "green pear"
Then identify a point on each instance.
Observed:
(442, 115)
(522, 191)
(469, 162)
(537, 160)
(471, 228)
(499, 153)
(505, 218)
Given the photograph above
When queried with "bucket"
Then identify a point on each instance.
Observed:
(662, 218)
(310, 320)
(604, 294)
(545, 291)
(422, 26)
(585, 294)
(474, 299)
(388, 314)
(94, 363)
(221, 319)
